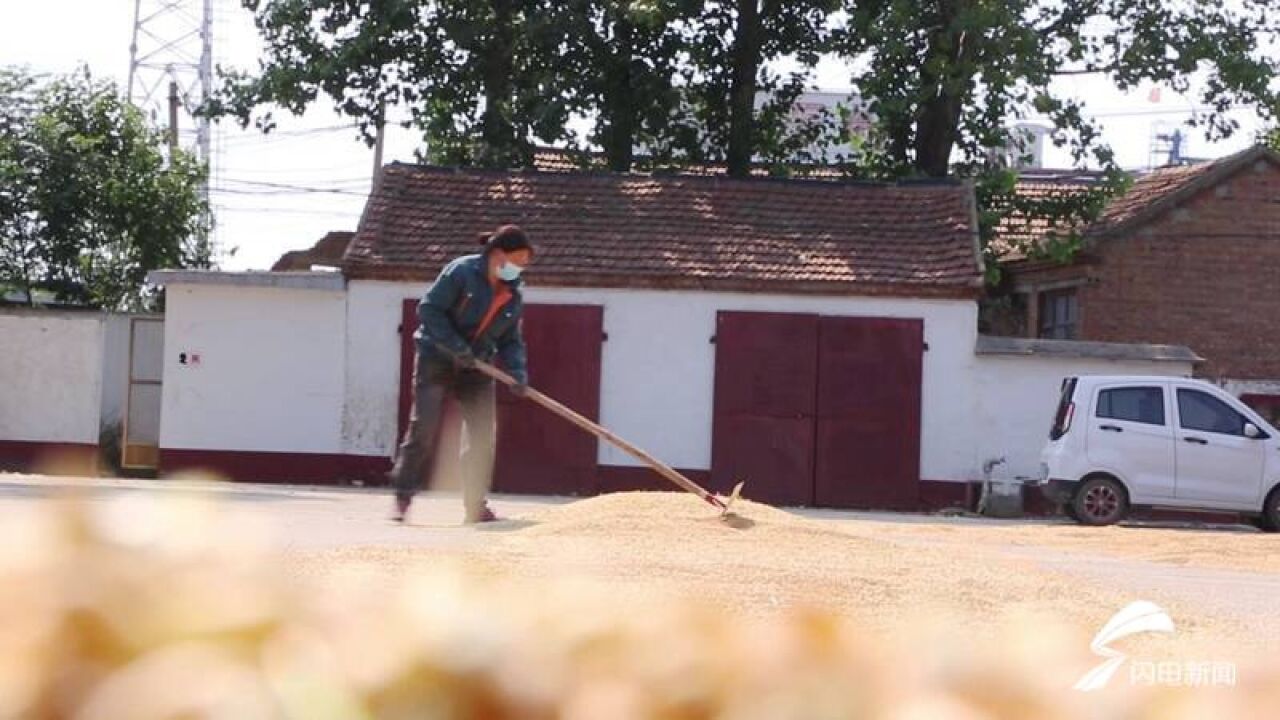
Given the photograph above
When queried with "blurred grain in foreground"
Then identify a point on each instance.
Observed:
(148, 609)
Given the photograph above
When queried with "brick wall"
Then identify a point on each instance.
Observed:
(1205, 275)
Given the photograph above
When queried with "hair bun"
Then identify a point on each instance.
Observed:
(483, 238)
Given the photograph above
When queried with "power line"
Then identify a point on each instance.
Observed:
(1169, 111)
(274, 136)
(295, 188)
(268, 193)
(277, 193)
(286, 211)
(350, 184)
(303, 178)
(305, 131)
(301, 171)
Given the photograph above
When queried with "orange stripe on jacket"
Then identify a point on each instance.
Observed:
(501, 297)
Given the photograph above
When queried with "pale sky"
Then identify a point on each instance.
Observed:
(284, 191)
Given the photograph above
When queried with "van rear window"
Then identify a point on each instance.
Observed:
(1066, 409)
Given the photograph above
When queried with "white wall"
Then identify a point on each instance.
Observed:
(658, 367)
(50, 376)
(271, 370)
(1017, 396)
(1251, 387)
(319, 371)
(373, 365)
(657, 388)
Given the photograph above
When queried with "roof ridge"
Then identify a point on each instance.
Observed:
(951, 182)
(1197, 177)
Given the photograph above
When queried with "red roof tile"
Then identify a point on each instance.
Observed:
(1164, 188)
(620, 230)
(560, 160)
(1150, 195)
(327, 251)
(1017, 231)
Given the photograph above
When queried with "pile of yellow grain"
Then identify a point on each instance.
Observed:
(661, 548)
(765, 558)
(1228, 548)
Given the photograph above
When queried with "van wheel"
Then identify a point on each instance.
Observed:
(1270, 520)
(1100, 501)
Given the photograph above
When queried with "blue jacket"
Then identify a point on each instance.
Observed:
(454, 307)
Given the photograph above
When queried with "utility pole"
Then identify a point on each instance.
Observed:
(173, 45)
(378, 141)
(174, 103)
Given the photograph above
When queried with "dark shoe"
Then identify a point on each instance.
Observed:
(486, 515)
(401, 509)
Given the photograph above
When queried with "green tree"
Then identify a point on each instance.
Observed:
(946, 76)
(478, 77)
(619, 65)
(19, 226)
(485, 80)
(945, 79)
(732, 48)
(90, 202)
(682, 79)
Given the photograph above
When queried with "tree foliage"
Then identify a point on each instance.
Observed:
(487, 80)
(946, 79)
(620, 64)
(700, 81)
(89, 203)
(474, 77)
(732, 48)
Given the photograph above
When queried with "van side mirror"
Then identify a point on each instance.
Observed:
(1252, 431)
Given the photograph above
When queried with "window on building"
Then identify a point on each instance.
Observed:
(1136, 404)
(1059, 314)
(1003, 315)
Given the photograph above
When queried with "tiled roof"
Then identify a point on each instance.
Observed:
(626, 230)
(1017, 231)
(559, 160)
(1161, 189)
(327, 251)
(1150, 195)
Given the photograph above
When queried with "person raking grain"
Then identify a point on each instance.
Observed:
(471, 312)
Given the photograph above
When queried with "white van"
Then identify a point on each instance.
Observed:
(1120, 442)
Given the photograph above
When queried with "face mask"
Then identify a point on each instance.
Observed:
(509, 271)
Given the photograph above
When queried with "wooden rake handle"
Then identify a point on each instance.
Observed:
(655, 464)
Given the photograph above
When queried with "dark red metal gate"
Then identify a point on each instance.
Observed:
(868, 436)
(765, 402)
(818, 411)
(537, 451)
